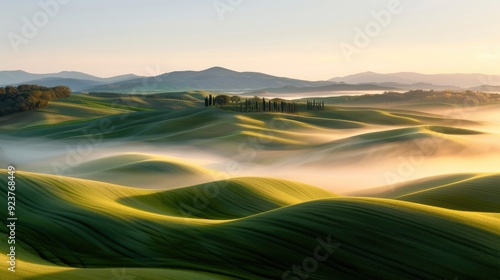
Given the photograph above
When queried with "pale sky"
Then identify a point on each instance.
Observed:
(293, 38)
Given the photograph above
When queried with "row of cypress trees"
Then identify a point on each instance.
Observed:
(281, 106)
(313, 105)
(257, 104)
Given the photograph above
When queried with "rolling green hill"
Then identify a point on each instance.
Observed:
(82, 108)
(138, 163)
(143, 171)
(141, 215)
(227, 199)
(466, 192)
(210, 124)
(97, 227)
(400, 135)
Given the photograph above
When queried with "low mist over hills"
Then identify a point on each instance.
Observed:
(448, 80)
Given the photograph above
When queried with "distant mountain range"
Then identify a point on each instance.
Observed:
(215, 78)
(74, 80)
(410, 78)
(221, 79)
(423, 86)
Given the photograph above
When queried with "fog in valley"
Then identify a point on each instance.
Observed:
(338, 160)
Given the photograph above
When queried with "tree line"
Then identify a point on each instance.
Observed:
(29, 97)
(313, 105)
(255, 104)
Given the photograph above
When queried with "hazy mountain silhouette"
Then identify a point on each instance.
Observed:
(215, 78)
(73, 79)
(219, 78)
(449, 80)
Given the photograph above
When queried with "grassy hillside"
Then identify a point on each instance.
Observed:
(377, 145)
(377, 116)
(90, 225)
(138, 217)
(139, 163)
(81, 108)
(399, 135)
(142, 171)
(77, 107)
(211, 124)
(227, 199)
(189, 126)
(152, 115)
(466, 192)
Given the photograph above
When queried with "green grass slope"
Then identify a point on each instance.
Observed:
(142, 170)
(82, 108)
(84, 224)
(176, 123)
(227, 199)
(130, 274)
(452, 139)
(466, 192)
(377, 116)
(186, 126)
(73, 108)
(413, 186)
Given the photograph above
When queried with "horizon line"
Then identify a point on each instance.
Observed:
(191, 70)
